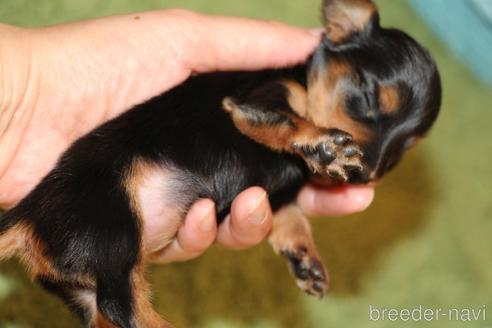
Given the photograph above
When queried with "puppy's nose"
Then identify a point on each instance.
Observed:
(326, 154)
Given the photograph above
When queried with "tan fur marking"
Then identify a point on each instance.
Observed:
(36, 261)
(280, 137)
(290, 228)
(13, 241)
(324, 92)
(133, 179)
(389, 99)
(39, 265)
(32, 253)
(297, 98)
(326, 105)
(145, 314)
(100, 322)
(21, 241)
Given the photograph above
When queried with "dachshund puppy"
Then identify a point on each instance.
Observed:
(346, 116)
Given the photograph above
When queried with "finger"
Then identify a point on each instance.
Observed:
(249, 222)
(195, 236)
(336, 201)
(229, 43)
(177, 42)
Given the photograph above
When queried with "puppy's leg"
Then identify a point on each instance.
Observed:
(81, 301)
(123, 301)
(266, 116)
(80, 298)
(116, 296)
(291, 237)
(144, 312)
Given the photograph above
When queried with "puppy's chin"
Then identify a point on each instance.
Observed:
(324, 181)
(330, 182)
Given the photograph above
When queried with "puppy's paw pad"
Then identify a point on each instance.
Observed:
(308, 269)
(320, 154)
(333, 154)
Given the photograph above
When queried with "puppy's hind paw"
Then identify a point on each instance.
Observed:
(308, 269)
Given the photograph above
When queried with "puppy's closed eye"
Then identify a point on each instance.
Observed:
(359, 108)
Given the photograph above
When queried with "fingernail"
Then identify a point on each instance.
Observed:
(361, 198)
(207, 223)
(260, 212)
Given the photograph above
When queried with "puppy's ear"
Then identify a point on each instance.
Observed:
(344, 18)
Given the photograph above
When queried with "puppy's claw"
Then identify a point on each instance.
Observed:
(342, 139)
(319, 287)
(337, 173)
(300, 270)
(351, 151)
(353, 168)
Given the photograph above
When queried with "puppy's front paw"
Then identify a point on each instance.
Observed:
(333, 154)
(308, 269)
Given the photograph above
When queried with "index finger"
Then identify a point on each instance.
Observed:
(229, 43)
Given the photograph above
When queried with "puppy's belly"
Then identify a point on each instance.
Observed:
(157, 198)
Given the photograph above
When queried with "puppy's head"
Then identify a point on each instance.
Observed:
(377, 84)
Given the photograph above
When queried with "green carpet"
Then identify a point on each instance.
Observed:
(425, 241)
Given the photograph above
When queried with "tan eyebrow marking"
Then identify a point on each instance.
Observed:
(389, 99)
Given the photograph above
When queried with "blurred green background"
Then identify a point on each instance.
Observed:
(426, 240)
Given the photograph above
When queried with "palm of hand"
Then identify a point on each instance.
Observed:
(65, 99)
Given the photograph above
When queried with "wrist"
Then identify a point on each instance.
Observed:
(18, 87)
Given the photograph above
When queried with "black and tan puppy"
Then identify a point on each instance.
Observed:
(345, 116)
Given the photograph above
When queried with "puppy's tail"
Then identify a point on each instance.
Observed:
(12, 234)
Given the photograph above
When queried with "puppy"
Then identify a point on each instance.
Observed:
(346, 116)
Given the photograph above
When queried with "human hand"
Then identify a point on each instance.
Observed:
(60, 82)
